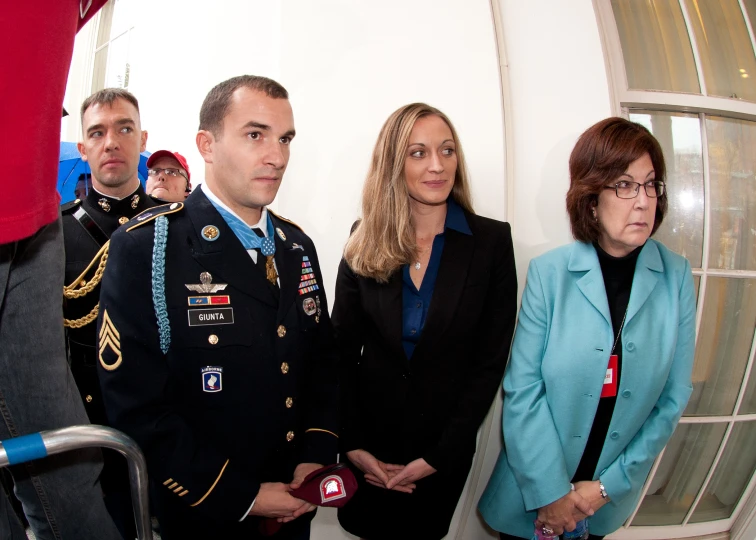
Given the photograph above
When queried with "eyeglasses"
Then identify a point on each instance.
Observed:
(629, 190)
(169, 172)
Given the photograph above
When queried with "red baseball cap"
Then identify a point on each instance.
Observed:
(175, 155)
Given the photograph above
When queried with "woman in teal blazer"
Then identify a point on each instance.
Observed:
(600, 370)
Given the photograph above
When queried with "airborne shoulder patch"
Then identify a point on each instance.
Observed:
(153, 213)
(110, 344)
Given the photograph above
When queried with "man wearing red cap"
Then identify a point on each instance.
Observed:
(168, 177)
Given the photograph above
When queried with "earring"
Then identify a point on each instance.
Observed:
(595, 217)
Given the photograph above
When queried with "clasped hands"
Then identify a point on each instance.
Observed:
(563, 514)
(388, 475)
(274, 499)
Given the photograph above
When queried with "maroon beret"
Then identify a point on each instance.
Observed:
(332, 485)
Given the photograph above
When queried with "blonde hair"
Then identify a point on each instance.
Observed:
(384, 239)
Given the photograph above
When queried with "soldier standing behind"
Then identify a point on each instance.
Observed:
(216, 349)
(112, 142)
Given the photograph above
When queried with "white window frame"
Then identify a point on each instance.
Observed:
(107, 43)
(623, 101)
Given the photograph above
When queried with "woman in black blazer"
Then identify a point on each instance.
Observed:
(424, 314)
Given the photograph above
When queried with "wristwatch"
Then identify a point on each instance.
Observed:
(604, 495)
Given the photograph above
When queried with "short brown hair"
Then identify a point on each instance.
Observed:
(603, 153)
(108, 96)
(216, 104)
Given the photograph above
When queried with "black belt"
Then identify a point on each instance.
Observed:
(94, 230)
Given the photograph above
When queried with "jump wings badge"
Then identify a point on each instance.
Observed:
(206, 286)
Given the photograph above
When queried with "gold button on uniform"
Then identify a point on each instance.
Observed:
(290, 436)
(284, 368)
(122, 220)
(89, 399)
(289, 402)
(213, 339)
(281, 330)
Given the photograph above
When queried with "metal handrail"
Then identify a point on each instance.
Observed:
(55, 441)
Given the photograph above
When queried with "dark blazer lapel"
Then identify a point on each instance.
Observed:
(646, 268)
(389, 317)
(450, 283)
(584, 259)
(225, 257)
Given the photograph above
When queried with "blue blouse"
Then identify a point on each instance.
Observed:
(415, 303)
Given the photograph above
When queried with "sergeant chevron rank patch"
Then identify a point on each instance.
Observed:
(110, 344)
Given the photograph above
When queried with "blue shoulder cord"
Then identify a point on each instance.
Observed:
(158, 282)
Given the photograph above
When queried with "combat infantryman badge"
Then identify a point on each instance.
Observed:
(206, 285)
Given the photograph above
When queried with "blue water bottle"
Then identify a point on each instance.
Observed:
(580, 532)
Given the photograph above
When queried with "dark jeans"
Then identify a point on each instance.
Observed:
(60, 494)
(504, 536)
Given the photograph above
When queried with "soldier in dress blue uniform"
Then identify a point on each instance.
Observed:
(216, 351)
(112, 140)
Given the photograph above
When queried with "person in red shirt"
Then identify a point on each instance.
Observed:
(60, 494)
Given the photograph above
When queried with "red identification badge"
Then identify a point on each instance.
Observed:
(610, 379)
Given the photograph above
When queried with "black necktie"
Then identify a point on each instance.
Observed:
(260, 257)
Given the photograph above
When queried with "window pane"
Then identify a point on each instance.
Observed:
(750, 6)
(724, 47)
(731, 476)
(748, 406)
(118, 63)
(680, 139)
(123, 17)
(732, 168)
(655, 45)
(98, 70)
(724, 344)
(681, 473)
(106, 20)
(697, 287)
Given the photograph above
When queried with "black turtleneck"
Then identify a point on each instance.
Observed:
(618, 280)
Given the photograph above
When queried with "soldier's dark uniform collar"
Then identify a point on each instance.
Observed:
(127, 207)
